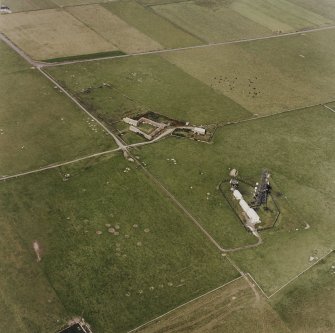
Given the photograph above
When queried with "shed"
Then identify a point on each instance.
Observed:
(199, 130)
(237, 195)
(130, 121)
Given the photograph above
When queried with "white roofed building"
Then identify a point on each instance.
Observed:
(130, 121)
(199, 130)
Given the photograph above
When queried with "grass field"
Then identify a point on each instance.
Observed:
(113, 29)
(267, 76)
(144, 19)
(156, 261)
(232, 309)
(65, 3)
(52, 34)
(279, 15)
(25, 293)
(325, 8)
(120, 242)
(150, 81)
(27, 5)
(297, 148)
(157, 2)
(307, 305)
(211, 21)
(39, 125)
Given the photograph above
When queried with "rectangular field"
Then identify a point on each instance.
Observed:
(118, 264)
(52, 33)
(65, 3)
(325, 8)
(279, 15)
(232, 308)
(39, 125)
(148, 81)
(27, 5)
(307, 304)
(147, 21)
(211, 21)
(267, 76)
(297, 148)
(112, 28)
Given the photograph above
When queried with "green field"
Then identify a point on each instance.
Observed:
(87, 56)
(145, 20)
(325, 8)
(25, 293)
(150, 82)
(267, 76)
(39, 125)
(218, 21)
(211, 21)
(307, 305)
(65, 3)
(157, 261)
(297, 148)
(152, 237)
(279, 15)
(124, 36)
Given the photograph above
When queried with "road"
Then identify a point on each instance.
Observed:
(20, 52)
(116, 139)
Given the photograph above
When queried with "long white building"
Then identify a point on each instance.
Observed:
(250, 212)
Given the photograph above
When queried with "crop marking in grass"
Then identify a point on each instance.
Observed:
(182, 305)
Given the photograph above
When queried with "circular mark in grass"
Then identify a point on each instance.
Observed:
(111, 230)
(146, 230)
(139, 244)
(98, 232)
(107, 225)
(135, 225)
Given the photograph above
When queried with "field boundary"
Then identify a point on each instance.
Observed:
(298, 275)
(256, 283)
(329, 108)
(304, 108)
(291, 280)
(238, 41)
(182, 305)
(56, 165)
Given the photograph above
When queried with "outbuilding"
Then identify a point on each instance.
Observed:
(130, 121)
(199, 130)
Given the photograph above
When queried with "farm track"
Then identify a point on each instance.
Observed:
(57, 165)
